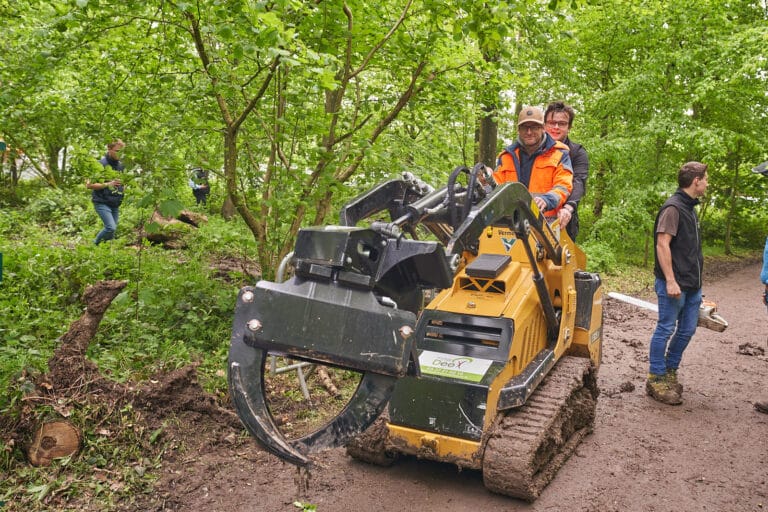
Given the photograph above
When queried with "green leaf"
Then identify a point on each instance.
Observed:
(152, 228)
(170, 208)
(155, 435)
(147, 201)
(225, 32)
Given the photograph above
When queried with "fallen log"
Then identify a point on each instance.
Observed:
(326, 381)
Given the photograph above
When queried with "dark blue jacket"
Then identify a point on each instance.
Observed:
(580, 162)
(112, 196)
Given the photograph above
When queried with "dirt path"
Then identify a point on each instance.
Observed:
(709, 454)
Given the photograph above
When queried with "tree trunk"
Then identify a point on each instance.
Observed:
(487, 137)
(69, 366)
(228, 209)
(598, 190)
(597, 180)
(732, 205)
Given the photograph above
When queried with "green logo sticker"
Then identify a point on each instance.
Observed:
(471, 369)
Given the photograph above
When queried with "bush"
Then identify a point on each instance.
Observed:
(67, 212)
(600, 257)
(174, 310)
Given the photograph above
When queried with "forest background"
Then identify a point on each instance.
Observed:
(298, 106)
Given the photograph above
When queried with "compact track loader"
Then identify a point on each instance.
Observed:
(497, 372)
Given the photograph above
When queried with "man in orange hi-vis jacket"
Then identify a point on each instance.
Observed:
(537, 161)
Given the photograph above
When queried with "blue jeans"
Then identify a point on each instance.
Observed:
(109, 216)
(677, 320)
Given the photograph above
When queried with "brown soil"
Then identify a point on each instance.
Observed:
(708, 454)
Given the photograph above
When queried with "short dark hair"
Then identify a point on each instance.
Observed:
(559, 106)
(689, 171)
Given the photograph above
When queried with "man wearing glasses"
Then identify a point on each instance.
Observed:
(558, 119)
(537, 161)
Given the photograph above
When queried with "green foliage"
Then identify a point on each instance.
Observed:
(223, 238)
(176, 316)
(621, 234)
(601, 256)
(650, 93)
(749, 229)
(57, 209)
(85, 165)
(176, 309)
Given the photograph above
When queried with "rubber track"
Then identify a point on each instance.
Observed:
(528, 445)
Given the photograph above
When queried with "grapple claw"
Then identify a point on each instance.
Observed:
(352, 330)
(350, 304)
(248, 395)
(246, 386)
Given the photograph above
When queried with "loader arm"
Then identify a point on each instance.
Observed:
(512, 206)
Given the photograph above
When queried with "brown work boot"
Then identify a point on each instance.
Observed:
(762, 407)
(659, 389)
(673, 382)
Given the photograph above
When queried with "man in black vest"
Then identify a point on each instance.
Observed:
(678, 271)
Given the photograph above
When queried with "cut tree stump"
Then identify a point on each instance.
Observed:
(173, 232)
(52, 440)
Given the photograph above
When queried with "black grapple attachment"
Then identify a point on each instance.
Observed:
(332, 311)
(354, 298)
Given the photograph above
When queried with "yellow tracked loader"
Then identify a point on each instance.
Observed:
(496, 372)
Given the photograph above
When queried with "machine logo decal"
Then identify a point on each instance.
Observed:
(508, 243)
(471, 369)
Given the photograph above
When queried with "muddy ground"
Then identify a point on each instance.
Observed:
(708, 454)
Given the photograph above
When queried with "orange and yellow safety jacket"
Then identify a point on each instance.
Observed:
(546, 173)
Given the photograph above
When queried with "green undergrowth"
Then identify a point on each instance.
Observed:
(176, 309)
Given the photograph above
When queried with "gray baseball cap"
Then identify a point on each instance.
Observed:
(761, 169)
